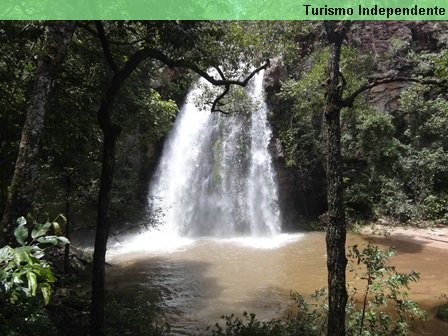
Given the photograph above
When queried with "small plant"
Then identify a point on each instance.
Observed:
(248, 325)
(309, 319)
(442, 310)
(384, 286)
(134, 315)
(24, 272)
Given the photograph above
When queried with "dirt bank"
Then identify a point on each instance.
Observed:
(429, 237)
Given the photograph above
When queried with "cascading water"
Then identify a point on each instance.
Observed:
(215, 177)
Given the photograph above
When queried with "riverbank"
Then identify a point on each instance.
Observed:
(436, 237)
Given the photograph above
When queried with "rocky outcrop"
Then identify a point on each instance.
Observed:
(382, 37)
(389, 42)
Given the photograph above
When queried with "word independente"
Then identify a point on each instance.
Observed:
(378, 11)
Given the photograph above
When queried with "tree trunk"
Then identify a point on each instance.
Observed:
(336, 230)
(102, 232)
(111, 132)
(21, 190)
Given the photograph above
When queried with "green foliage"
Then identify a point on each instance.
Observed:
(300, 130)
(385, 289)
(133, 316)
(27, 318)
(441, 69)
(24, 272)
(442, 310)
(308, 319)
(248, 325)
(20, 42)
(396, 164)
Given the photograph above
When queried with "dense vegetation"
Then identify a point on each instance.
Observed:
(106, 95)
(394, 150)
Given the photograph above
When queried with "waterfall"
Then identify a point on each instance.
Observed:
(215, 177)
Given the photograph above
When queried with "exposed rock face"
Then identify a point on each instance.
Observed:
(287, 182)
(386, 97)
(389, 42)
(381, 37)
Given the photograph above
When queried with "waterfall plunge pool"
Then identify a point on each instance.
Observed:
(216, 178)
(196, 281)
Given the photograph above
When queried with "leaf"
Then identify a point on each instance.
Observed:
(17, 277)
(64, 240)
(22, 254)
(32, 282)
(46, 292)
(57, 228)
(6, 253)
(39, 254)
(21, 234)
(21, 221)
(47, 275)
(52, 240)
(40, 229)
(63, 218)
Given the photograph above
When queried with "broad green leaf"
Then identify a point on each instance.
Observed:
(40, 229)
(17, 278)
(32, 282)
(21, 234)
(38, 254)
(52, 240)
(47, 274)
(6, 252)
(21, 254)
(21, 221)
(63, 240)
(46, 292)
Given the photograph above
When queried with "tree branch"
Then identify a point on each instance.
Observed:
(221, 96)
(105, 45)
(94, 33)
(220, 72)
(348, 101)
(181, 63)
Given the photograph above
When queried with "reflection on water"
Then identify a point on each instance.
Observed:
(198, 282)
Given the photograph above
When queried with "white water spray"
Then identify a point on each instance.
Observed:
(215, 177)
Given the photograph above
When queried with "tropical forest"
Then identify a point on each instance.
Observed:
(223, 178)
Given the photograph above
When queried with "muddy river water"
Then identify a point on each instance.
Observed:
(197, 281)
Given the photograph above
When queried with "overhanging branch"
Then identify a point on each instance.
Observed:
(348, 101)
(180, 63)
(145, 53)
(217, 99)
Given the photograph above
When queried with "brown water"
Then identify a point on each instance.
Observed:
(207, 279)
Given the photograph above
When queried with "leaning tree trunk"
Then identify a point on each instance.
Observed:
(102, 230)
(21, 190)
(111, 132)
(336, 230)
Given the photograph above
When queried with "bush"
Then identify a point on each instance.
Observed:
(26, 280)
